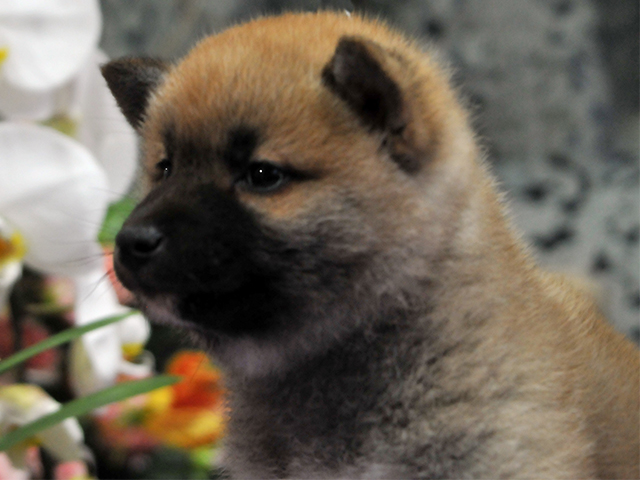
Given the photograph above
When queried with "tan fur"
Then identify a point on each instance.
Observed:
(547, 325)
(577, 380)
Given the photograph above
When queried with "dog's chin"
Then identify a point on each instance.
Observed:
(162, 309)
(235, 353)
(249, 354)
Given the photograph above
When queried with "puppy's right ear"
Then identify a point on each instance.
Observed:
(132, 81)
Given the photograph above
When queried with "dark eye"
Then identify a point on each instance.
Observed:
(163, 169)
(264, 176)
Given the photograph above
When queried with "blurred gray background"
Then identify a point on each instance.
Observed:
(554, 88)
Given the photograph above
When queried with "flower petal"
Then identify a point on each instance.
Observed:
(9, 275)
(96, 356)
(87, 101)
(10, 261)
(48, 40)
(22, 404)
(53, 192)
(134, 330)
(95, 297)
(143, 369)
(17, 104)
(88, 374)
(102, 127)
(64, 441)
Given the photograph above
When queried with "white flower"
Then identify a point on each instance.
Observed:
(99, 356)
(55, 191)
(85, 109)
(11, 253)
(22, 404)
(45, 43)
(101, 127)
(55, 194)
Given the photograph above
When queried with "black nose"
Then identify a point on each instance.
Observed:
(137, 244)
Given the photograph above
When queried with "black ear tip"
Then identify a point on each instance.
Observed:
(108, 70)
(357, 75)
(117, 71)
(134, 66)
(132, 80)
(348, 58)
(351, 47)
(348, 45)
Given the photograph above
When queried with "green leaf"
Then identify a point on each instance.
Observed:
(84, 405)
(58, 339)
(116, 215)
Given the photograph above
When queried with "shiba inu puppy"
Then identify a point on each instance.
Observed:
(319, 213)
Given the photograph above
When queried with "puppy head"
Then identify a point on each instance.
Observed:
(295, 167)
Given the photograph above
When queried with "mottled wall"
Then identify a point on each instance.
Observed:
(554, 88)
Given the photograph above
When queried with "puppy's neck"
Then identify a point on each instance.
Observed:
(320, 408)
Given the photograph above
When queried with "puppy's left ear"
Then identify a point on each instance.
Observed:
(132, 81)
(360, 73)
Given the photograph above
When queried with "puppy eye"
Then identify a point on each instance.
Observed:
(163, 168)
(264, 176)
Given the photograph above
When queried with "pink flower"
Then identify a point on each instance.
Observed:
(71, 471)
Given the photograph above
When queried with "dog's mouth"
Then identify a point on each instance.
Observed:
(166, 309)
(249, 309)
(178, 302)
(236, 298)
(160, 309)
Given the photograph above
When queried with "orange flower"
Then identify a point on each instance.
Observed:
(190, 413)
(202, 384)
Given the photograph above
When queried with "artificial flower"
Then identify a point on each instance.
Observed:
(22, 404)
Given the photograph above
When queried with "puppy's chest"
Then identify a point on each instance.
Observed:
(302, 428)
(347, 416)
(343, 432)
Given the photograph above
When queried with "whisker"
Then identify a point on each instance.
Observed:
(97, 284)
